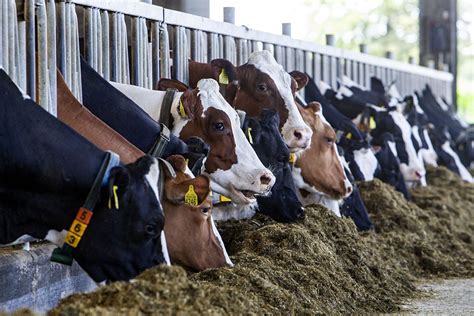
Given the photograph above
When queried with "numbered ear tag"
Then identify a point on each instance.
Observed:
(249, 133)
(292, 159)
(349, 136)
(116, 200)
(223, 79)
(181, 110)
(191, 198)
(372, 124)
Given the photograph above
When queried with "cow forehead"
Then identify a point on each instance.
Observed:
(210, 97)
(266, 63)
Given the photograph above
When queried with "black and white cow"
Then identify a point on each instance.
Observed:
(357, 153)
(360, 106)
(46, 172)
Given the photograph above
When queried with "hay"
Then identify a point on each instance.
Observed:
(320, 265)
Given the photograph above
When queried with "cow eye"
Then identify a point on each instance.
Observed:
(329, 140)
(262, 87)
(205, 211)
(219, 126)
(150, 230)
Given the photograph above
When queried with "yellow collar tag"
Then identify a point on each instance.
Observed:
(223, 79)
(191, 198)
(349, 135)
(249, 133)
(292, 159)
(116, 200)
(181, 110)
(372, 124)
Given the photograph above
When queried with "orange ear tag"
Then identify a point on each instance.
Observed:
(191, 198)
(223, 78)
(249, 130)
(181, 110)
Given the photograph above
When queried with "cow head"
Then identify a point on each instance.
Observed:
(319, 170)
(264, 84)
(232, 164)
(360, 157)
(121, 242)
(264, 135)
(192, 239)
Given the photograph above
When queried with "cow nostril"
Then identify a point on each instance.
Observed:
(298, 135)
(418, 174)
(349, 190)
(265, 179)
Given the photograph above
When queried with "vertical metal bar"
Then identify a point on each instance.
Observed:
(1, 33)
(230, 51)
(155, 53)
(114, 47)
(88, 24)
(270, 47)
(213, 46)
(317, 73)
(69, 42)
(22, 54)
(61, 42)
(5, 31)
(77, 55)
(135, 37)
(98, 41)
(43, 80)
(52, 54)
(165, 71)
(125, 50)
(11, 40)
(30, 48)
(105, 45)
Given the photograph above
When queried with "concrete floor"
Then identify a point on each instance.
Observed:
(448, 297)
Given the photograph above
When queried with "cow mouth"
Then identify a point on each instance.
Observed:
(245, 196)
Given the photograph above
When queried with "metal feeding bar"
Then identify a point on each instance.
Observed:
(139, 43)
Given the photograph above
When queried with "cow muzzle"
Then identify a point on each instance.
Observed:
(261, 184)
(298, 139)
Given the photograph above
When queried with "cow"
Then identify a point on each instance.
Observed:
(282, 204)
(221, 170)
(318, 172)
(189, 231)
(353, 206)
(193, 239)
(46, 172)
(357, 152)
(260, 84)
(359, 105)
(232, 164)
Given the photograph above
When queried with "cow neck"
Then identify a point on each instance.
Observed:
(84, 214)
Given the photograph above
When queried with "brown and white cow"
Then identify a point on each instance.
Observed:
(232, 164)
(260, 84)
(193, 239)
(318, 172)
(190, 237)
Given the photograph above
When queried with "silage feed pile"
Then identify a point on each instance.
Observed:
(320, 265)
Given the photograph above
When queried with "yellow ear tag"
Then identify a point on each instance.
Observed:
(249, 130)
(116, 200)
(181, 110)
(191, 198)
(187, 162)
(372, 124)
(223, 198)
(349, 136)
(292, 159)
(223, 79)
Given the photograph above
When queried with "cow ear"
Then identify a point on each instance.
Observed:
(223, 71)
(165, 84)
(187, 104)
(192, 191)
(315, 106)
(178, 162)
(301, 79)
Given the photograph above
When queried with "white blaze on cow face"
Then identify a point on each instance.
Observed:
(429, 155)
(367, 162)
(415, 170)
(248, 175)
(463, 172)
(295, 132)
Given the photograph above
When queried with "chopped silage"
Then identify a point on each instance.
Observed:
(320, 265)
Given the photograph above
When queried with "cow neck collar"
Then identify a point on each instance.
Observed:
(84, 214)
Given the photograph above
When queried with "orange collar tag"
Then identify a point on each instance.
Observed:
(78, 227)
